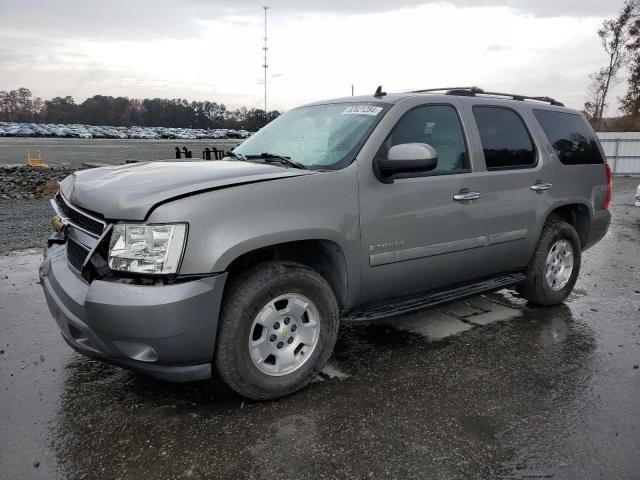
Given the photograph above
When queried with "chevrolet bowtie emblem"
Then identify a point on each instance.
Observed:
(285, 334)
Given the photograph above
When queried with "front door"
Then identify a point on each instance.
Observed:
(422, 231)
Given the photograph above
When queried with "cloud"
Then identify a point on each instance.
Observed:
(139, 19)
(194, 49)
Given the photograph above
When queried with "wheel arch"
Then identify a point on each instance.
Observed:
(578, 215)
(322, 255)
(575, 212)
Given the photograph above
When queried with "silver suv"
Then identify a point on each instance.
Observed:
(347, 210)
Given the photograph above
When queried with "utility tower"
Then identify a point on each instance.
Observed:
(265, 65)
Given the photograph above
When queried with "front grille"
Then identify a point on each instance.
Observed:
(78, 218)
(76, 254)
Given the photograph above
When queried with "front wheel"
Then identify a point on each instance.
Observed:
(554, 268)
(278, 327)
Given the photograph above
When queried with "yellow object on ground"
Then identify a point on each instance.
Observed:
(36, 160)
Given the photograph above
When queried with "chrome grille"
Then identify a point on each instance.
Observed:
(78, 218)
(76, 254)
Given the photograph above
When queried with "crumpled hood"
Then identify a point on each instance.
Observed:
(129, 192)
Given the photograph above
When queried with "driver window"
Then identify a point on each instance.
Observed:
(438, 126)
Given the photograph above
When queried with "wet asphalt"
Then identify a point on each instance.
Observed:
(488, 388)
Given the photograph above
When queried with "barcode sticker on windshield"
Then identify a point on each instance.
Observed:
(362, 110)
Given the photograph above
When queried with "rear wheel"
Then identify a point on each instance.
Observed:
(278, 327)
(554, 268)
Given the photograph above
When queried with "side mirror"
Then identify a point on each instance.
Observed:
(409, 158)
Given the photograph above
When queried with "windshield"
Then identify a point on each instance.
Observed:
(320, 136)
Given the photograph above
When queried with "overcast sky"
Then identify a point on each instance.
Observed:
(205, 49)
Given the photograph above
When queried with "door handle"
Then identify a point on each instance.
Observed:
(463, 196)
(540, 187)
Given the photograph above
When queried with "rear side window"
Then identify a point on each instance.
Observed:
(505, 139)
(573, 141)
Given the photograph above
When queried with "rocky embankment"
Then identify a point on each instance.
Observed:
(26, 183)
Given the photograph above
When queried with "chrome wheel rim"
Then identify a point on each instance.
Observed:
(284, 334)
(559, 265)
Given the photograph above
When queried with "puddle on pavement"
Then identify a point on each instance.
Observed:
(452, 319)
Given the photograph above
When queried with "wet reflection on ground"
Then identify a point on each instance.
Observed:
(444, 407)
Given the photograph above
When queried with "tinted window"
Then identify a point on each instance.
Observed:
(438, 126)
(505, 140)
(570, 137)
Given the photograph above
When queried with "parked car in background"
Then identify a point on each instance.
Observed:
(221, 132)
(638, 196)
(357, 209)
(233, 134)
(216, 134)
(12, 129)
(25, 132)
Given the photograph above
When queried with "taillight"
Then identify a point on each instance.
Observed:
(607, 198)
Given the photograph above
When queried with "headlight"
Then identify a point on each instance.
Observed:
(146, 248)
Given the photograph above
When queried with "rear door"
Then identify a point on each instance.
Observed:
(518, 181)
(424, 230)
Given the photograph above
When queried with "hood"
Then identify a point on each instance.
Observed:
(129, 192)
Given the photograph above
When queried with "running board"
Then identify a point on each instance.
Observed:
(407, 305)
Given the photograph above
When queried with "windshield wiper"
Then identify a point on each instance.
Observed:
(271, 158)
(235, 155)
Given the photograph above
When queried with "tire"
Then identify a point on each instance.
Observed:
(257, 291)
(537, 289)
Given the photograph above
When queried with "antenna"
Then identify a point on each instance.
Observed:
(265, 65)
(379, 93)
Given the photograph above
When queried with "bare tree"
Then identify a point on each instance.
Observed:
(614, 35)
(596, 97)
(630, 103)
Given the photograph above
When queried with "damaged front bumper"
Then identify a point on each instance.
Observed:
(163, 331)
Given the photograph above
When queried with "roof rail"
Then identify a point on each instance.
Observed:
(446, 89)
(475, 91)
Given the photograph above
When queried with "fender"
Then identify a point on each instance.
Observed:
(228, 223)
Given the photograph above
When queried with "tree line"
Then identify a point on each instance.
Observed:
(20, 106)
(620, 38)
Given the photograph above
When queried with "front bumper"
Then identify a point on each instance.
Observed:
(166, 332)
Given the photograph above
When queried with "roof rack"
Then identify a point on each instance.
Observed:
(475, 91)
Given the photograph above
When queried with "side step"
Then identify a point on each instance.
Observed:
(400, 306)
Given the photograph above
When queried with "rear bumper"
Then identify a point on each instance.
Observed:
(166, 332)
(599, 227)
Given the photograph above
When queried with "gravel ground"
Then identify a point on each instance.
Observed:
(24, 224)
(24, 183)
